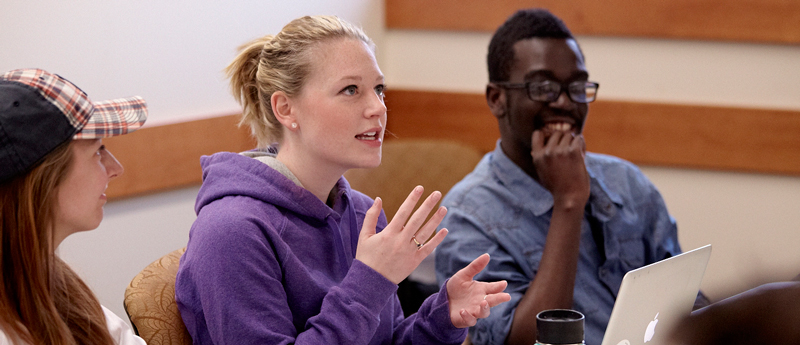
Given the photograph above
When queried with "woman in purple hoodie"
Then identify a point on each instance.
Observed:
(283, 250)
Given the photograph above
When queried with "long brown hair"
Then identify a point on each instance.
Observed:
(42, 300)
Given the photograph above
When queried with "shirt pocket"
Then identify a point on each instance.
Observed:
(632, 252)
(533, 256)
(584, 291)
(584, 296)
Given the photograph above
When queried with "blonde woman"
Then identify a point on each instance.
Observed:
(54, 171)
(283, 250)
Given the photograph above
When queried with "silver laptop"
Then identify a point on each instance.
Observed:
(652, 299)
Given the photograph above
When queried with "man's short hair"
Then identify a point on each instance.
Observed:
(524, 24)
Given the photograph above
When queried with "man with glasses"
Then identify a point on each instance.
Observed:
(562, 225)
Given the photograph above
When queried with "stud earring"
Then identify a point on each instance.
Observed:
(294, 124)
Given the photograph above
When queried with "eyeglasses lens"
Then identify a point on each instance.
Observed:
(548, 91)
(582, 92)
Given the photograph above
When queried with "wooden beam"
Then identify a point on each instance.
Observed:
(165, 157)
(726, 20)
(460, 117)
(717, 138)
(705, 137)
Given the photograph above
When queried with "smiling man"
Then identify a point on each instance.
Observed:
(562, 225)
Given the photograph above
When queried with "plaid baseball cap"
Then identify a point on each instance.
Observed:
(40, 110)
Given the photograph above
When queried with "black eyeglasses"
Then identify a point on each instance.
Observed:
(549, 91)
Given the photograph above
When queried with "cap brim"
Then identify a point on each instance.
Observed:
(114, 117)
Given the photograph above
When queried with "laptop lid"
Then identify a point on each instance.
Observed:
(652, 299)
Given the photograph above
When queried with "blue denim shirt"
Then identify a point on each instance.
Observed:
(500, 210)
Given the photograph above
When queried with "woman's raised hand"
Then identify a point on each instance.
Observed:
(471, 300)
(397, 250)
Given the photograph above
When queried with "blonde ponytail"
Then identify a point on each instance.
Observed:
(242, 73)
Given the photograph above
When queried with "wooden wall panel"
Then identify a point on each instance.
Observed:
(736, 139)
(718, 138)
(736, 20)
(163, 157)
(458, 116)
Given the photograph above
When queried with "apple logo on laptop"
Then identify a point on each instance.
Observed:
(624, 342)
(651, 329)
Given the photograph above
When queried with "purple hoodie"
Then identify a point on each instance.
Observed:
(269, 263)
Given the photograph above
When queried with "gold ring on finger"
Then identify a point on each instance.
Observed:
(419, 245)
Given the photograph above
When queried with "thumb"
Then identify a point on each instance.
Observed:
(583, 145)
(474, 267)
(371, 220)
(537, 140)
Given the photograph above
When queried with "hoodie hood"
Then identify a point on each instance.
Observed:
(232, 174)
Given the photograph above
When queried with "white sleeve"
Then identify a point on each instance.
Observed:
(120, 331)
(3, 339)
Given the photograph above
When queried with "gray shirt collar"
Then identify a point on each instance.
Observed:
(269, 159)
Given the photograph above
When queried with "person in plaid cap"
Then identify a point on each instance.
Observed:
(54, 171)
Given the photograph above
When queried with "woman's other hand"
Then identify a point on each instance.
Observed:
(471, 300)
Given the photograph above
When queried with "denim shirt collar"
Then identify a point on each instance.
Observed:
(604, 203)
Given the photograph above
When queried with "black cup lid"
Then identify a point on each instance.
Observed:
(559, 326)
